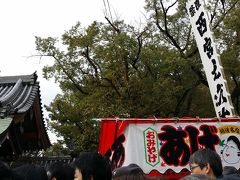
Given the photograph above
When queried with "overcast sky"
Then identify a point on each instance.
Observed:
(22, 20)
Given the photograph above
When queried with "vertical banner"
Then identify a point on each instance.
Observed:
(210, 58)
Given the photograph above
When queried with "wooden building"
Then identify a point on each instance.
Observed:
(22, 127)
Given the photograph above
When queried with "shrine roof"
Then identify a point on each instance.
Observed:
(20, 102)
(17, 93)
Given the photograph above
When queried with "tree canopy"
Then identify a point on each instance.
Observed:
(114, 69)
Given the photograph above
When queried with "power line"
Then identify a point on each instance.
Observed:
(110, 11)
(107, 9)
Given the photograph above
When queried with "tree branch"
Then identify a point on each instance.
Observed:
(236, 93)
(113, 26)
(214, 11)
(113, 86)
(76, 85)
(171, 5)
(200, 76)
(224, 15)
(165, 31)
(91, 62)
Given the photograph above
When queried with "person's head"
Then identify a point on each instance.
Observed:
(92, 166)
(195, 177)
(31, 171)
(60, 171)
(130, 172)
(5, 171)
(206, 161)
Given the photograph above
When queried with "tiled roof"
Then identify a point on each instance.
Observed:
(20, 103)
(42, 161)
(17, 93)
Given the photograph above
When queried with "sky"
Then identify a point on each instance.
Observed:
(22, 20)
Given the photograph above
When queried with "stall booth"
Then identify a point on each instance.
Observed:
(162, 147)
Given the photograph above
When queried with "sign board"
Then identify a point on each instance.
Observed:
(163, 144)
(210, 58)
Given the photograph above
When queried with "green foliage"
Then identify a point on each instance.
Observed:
(57, 149)
(114, 69)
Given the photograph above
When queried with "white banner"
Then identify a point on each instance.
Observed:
(210, 58)
(168, 146)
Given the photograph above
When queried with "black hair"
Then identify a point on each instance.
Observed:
(235, 140)
(93, 164)
(5, 171)
(31, 171)
(131, 169)
(206, 156)
(61, 171)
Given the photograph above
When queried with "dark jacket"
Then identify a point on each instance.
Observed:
(230, 177)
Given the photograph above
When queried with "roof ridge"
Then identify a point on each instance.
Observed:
(32, 78)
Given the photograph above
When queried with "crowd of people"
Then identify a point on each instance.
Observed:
(205, 164)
